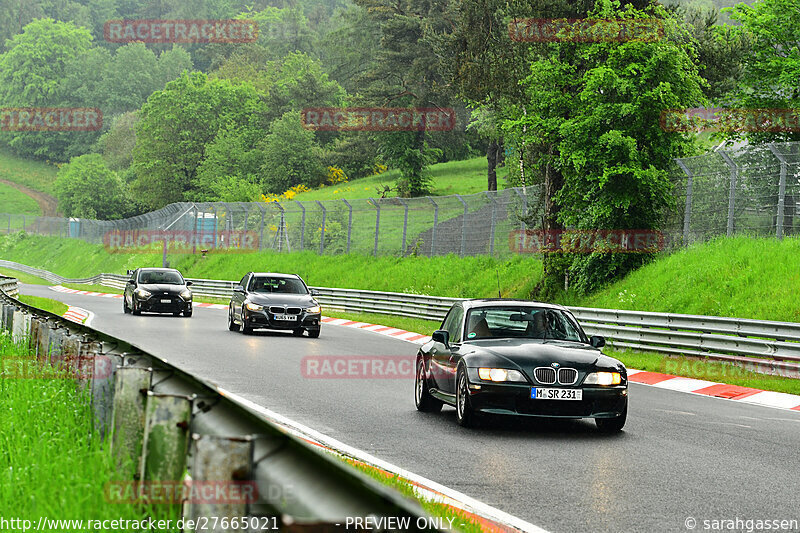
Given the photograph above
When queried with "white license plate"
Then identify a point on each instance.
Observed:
(285, 317)
(166, 301)
(556, 394)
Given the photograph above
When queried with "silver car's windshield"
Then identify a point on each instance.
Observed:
(277, 285)
(526, 322)
(147, 277)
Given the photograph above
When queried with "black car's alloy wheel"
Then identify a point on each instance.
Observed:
(232, 326)
(125, 308)
(422, 397)
(313, 333)
(187, 314)
(612, 425)
(464, 413)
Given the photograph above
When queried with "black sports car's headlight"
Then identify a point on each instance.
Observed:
(254, 307)
(186, 295)
(143, 294)
(500, 374)
(603, 378)
(315, 310)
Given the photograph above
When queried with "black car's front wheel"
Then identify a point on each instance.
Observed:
(465, 415)
(422, 397)
(232, 326)
(136, 310)
(313, 333)
(612, 425)
(125, 308)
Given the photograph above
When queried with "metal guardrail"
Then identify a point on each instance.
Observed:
(203, 430)
(763, 346)
(9, 286)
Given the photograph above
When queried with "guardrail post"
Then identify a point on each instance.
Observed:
(166, 438)
(377, 205)
(781, 192)
(222, 460)
(435, 222)
(405, 225)
(732, 192)
(104, 366)
(322, 228)
(491, 228)
(22, 326)
(349, 223)
(131, 385)
(687, 210)
(263, 209)
(216, 224)
(463, 226)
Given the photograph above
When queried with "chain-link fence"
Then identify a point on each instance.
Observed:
(474, 224)
(753, 190)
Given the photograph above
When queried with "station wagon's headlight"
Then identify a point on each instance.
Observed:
(254, 307)
(603, 378)
(313, 310)
(500, 374)
(186, 295)
(141, 293)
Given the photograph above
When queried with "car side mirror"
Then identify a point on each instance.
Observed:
(130, 272)
(189, 283)
(442, 336)
(598, 341)
(238, 288)
(130, 282)
(314, 292)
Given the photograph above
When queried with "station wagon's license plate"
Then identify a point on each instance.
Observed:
(285, 317)
(166, 301)
(556, 394)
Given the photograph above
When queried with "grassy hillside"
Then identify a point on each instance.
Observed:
(34, 174)
(470, 277)
(14, 201)
(454, 177)
(738, 277)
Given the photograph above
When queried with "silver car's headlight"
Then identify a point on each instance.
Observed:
(254, 307)
(500, 374)
(314, 310)
(603, 378)
(141, 293)
(186, 295)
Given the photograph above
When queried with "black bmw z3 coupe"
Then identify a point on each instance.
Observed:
(522, 358)
(274, 301)
(157, 290)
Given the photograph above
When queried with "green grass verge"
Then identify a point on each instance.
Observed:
(453, 177)
(14, 201)
(45, 304)
(34, 174)
(469, 277)
(51, 465)
(460, 521)
(737, 277)
(22, 277)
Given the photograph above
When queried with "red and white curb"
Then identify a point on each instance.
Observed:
(489, 518)
(778, 400)
(78, 315)
(410, 336)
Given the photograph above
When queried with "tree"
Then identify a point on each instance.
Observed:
(117, 144)
(290, 155)
(32, 72)
(86, 188)
(133, 76)
(598, 105)
(176, 125)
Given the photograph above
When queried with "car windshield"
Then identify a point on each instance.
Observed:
(277, 285)
(160, 277)
(527, 322)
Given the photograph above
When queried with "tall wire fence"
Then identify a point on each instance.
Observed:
(754, 190)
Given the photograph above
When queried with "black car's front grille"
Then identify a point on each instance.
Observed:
(280, 310)
(567, 376)
(545, 375)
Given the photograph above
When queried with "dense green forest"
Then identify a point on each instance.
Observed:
(223, 120)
